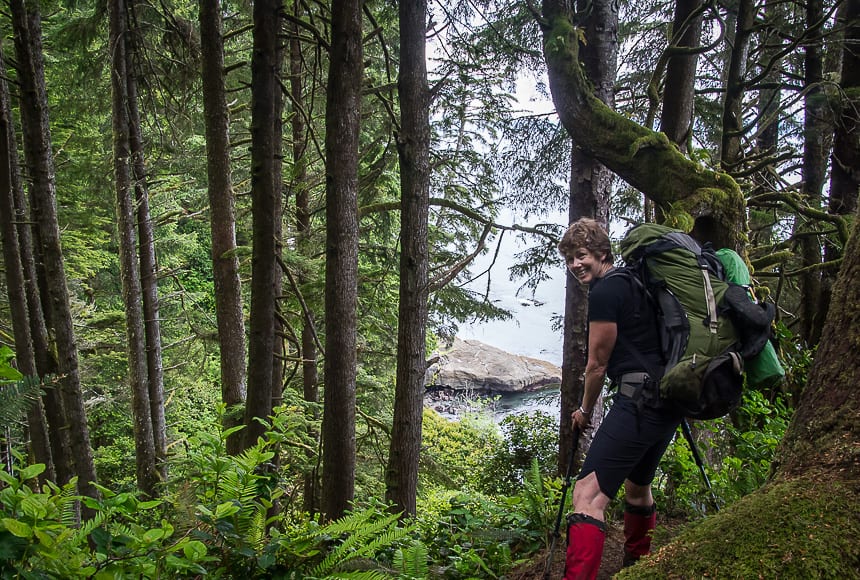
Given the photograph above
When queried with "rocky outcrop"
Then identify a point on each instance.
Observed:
(473, 365)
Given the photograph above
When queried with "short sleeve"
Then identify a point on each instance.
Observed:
(606, 299)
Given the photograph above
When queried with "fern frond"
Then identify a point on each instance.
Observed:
(413, 562)
(87, 527)
(361, 575)
(256, 532)
(348, 523)
(17, 398)
(366, 540)
(68, 503)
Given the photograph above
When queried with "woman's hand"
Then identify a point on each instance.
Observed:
(581, 419)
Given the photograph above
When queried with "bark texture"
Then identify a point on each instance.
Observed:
(144, 444)
(264, 209)
(147, 258)
(222, 219)
(26, 22)
(676, 117)
(343, 113)
(40, 446)
(413, 146)
(590, 184)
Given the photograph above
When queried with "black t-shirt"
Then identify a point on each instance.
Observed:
(617, 299)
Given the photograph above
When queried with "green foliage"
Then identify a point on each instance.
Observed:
(454, 453)
(217, 520)
(412, 561)
(470, 535)
(795, 358)
(740, 450)
(528, 439)
(17, 397)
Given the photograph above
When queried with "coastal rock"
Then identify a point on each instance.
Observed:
(473, 365)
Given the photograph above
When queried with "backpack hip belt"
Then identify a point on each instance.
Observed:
(629, 383)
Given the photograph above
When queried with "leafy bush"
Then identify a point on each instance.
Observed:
(470, 535)
(740, 450)
(528, 438)
(454, 453)
(216, 520)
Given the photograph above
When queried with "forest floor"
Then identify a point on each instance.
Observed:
(613, 552)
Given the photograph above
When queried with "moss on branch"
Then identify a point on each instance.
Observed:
(644, 158)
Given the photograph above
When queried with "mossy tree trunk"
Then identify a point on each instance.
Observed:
(682, 188)
(590, 186)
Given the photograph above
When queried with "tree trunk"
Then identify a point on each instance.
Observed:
(264, 210)
(845, 171)
(144, 444)
(310, 378)
(222, 221)
(343, 107)
(40, 444)
(733, 104)
(148, 261)
(769, 104)
(413, 145)
(681, 188)
(676, 118)
(279, 353)
(816, 148)
(44, 356)
(845, 159)
(590, 184)
(26, 22)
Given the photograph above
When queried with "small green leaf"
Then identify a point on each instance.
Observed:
(17, 528)
(151, 536)
(194, 550)
(225, 509)
(31, 471)
(46, 539)
(145, 505)
(33, 506)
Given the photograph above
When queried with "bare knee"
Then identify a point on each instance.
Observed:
(638, 495)
(588, 499)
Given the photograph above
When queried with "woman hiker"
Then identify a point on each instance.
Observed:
(632, 438)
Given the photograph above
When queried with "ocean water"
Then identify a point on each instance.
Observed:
(535, 329)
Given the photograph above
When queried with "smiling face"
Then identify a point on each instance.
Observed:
(586, 265)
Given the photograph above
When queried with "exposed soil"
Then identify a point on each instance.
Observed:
(613, 553)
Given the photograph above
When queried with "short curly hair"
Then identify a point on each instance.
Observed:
(589, 234)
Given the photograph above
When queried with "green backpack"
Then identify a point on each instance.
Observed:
(708, 326)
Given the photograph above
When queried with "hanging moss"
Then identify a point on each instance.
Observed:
(806, 528)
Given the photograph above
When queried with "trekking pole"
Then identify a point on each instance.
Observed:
(685, 427)
(564, 487)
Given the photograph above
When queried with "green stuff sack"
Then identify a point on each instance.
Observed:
(764, 369)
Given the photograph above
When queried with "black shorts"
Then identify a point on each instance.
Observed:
(629, 444)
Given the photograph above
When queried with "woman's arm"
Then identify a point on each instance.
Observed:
(601, 342)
